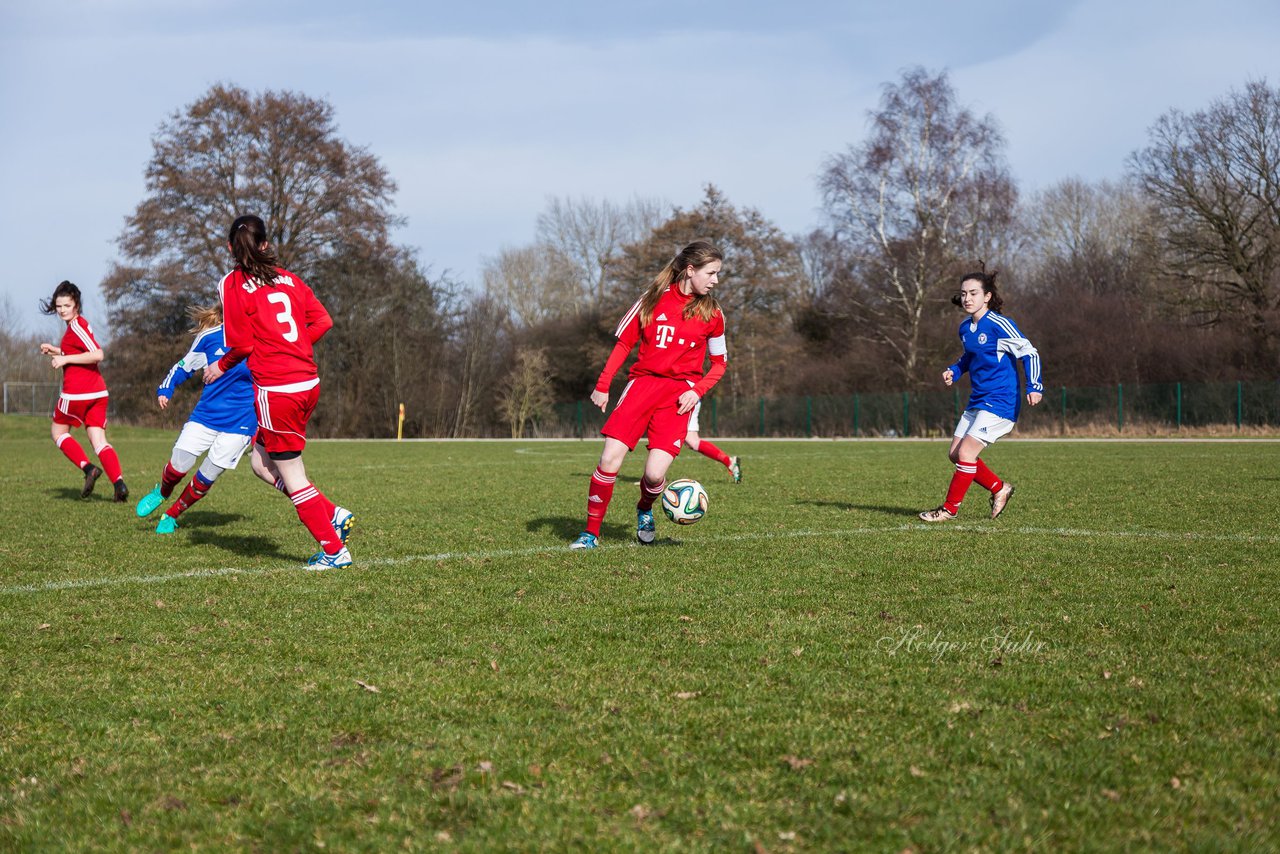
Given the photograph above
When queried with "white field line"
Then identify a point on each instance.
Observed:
(1188, 536)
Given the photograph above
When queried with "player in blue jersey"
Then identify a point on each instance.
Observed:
(992, 343)
(223, 423)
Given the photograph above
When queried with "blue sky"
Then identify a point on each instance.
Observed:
(483, 111)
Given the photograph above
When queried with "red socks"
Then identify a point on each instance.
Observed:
(71, 450)
(959, 486)
(195, 490)
(316, 513)
(599, 494)
(110, 462)
(170, 478)
(986, 478)
(649, 493)
(709, 450)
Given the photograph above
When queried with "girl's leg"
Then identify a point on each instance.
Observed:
(314, 510)
(70, 448)
(110, 462)
(651, 486)
(196, 489)
(600, 489)
(964, 451)
(265, 468)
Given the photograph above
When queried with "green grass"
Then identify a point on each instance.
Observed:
(807, 669)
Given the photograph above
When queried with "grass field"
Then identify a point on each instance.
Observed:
(809, 668)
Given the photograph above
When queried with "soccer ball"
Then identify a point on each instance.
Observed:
(684, 501)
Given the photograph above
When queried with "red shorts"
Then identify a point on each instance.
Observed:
(283, 417)
(73, 413)
(648, 408)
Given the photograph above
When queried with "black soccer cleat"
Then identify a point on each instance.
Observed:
(122, 491)
(91, 475)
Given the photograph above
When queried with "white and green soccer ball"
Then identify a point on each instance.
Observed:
(684, 501)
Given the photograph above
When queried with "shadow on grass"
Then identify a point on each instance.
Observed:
(870, 508)
(72, 493)
(201, 529)
(569, 527)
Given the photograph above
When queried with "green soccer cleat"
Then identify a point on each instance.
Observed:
(735, 468)
(167, 525)
(149, 502)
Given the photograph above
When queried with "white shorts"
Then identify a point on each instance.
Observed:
(225, 449)
(982, 425)
(693, 417)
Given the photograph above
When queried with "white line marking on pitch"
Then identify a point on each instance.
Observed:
(941, 527)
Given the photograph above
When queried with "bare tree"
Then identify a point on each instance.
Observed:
(926, 190)
(526, 395)
(582, 234)
(532, 283)
(1213, 177)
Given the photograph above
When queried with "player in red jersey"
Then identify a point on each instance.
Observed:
(678, 325)
(703, 446)
(83, 400)
(272, 318)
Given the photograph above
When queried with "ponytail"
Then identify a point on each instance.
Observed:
(248, 239)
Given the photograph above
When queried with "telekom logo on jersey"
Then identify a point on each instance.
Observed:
(662, 336)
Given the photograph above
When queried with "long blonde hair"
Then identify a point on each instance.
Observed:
(204, 317)
(698, 254)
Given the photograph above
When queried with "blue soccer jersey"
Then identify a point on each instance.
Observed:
(990, 347)
(226, 405)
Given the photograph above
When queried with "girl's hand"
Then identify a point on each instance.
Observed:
(688, 401)
(49, 350)
(600, 399)
(58, 361)
(162, 401)
(948, 377)
(211, 372)
(1034, 397)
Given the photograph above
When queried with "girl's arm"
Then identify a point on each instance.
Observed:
(93, 357)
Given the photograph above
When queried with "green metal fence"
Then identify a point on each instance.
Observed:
(1167, 406)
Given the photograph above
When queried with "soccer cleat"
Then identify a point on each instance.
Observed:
(321, 561)
(735, 468)
(167, 525)
(149, 502)
(585, 541)
(941, 514)
(646, 532)
(1000, 500)
(122, 492)
(91, 475)
(344, 521)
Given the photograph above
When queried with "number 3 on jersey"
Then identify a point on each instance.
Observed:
(286, 314)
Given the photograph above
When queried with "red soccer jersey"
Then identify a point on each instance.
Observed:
(274, 326)
(82, 380)
(670, 345)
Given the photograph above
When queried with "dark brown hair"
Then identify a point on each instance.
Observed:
(64, 289)
(248, 239)
(988, 281)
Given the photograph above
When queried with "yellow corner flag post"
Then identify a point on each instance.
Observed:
(400, 425)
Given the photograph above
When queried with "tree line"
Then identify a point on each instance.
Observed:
(1171, 273)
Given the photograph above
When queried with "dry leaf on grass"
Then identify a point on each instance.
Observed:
(43, 626)
(687, 695)
(515, 787)
(796, 762)
(368, 687)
